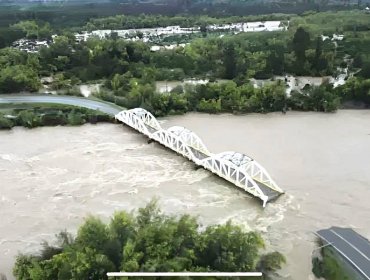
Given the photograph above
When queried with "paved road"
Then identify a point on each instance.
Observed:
(352, 246)
(107, 108)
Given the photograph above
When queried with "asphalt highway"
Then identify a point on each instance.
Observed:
(104, 107)
(352, 246)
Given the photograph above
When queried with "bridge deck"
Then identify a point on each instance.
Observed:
(352, 246)
(151, 129)
(270, 193)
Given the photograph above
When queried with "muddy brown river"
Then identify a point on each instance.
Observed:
(51, 178)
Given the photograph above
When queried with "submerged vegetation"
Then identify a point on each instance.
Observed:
(148, 241)
(330, 266)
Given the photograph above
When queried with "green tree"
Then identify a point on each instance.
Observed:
(148, 241)
(23, 265)
(5, 123)
(229, 61)
(301, 42)
(75, 118)
(33, 29)
(92, 234)
(30, 27)
(116, 82)
(271, 262)
(12, 57)
(18, 78)
(229, 248)
(329, 266)
(29, 119)
(209, 106)
(315, 99)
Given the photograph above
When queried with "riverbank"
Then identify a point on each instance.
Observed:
(98, 105)
(30, 110)
(48, 110)
(44, 114)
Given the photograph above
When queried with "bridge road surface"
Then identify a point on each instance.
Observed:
(352, 246)
(104, 107)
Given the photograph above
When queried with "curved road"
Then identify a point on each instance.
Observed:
(105, 107)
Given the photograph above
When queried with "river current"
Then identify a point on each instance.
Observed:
(53, 177)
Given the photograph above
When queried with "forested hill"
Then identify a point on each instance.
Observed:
(189, 2)
(172, 7)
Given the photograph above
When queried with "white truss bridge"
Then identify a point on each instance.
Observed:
(236, 168)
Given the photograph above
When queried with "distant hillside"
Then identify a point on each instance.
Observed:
(69, 13)
(195, 2)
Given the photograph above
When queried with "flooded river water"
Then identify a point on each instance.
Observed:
(51, 178)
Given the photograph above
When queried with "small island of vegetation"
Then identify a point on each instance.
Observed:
(35, 115)
(148, 241)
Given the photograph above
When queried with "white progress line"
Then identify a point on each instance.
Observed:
(191, 274)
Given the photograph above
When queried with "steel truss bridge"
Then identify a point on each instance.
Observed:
(236, 168)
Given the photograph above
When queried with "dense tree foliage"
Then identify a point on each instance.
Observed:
(130, 69)
(18, 71)
(330, 267)
(315, 99)
(50, 115)
(77, 12)
(218, 97)
(298, 51)
(18, 78)
(34, 30)
(356, 89)
(148, 241)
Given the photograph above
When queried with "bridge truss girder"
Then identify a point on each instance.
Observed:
(173, 142)
(253, 169)
(234, 174)
(236, 168)
(190, 138)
